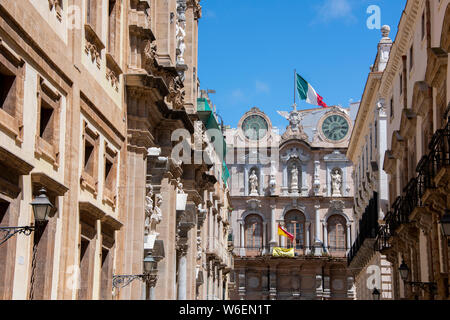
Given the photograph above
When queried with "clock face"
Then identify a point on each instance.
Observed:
(255, 127)
(335, 127)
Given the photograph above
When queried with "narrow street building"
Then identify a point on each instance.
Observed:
(415, 91)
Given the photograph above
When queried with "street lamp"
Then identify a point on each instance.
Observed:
(149, 275)
(376, 294)
(404, 274)
(41, 208)
(404, 271)
(445, 223)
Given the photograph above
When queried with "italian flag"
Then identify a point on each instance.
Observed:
(307, 92)
(283, 232)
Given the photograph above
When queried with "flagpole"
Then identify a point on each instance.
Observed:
(295, 73)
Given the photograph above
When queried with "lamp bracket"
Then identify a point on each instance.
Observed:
(7, 232)
(121, 281)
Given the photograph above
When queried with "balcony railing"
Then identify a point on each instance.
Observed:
(427, 168)
(300, 251)
(368, 227)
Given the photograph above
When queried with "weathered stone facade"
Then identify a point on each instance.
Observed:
(366, 150)
(302, 181)
(415, 89)
(90, 100)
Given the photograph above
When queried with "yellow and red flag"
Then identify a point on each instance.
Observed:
(283, 232)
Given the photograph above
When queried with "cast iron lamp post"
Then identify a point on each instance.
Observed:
(427, 286)
(41, 208)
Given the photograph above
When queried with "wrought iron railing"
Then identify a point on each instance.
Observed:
(368, 227)
(299, 250)
(427, 169)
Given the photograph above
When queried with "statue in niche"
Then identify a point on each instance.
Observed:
(294, 179)
(336, 183)
(253, 184)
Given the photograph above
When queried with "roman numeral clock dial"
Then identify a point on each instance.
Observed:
(335, 128)
(255, 127)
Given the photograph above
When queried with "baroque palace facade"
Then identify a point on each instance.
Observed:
(91, 94)
(302, 181)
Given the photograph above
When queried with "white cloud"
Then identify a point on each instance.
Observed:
(262, 87)
(335, 9)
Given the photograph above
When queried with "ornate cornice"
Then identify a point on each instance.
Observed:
(400, 46)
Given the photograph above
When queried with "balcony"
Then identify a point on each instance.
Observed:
(362, 249)
(300, 252)
(431, 169)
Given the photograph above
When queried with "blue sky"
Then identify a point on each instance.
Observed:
(248, 51)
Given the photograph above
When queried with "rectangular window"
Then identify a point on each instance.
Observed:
(49, 105)
(376, 135)
(106, 274)
(411, 57)
(7, 92)
(110, 168)
(392, 107)
(87, 259)
(401, 84)
(89, 157)
(89, 175)
(423, 25)
(11, 92)
(46, 122)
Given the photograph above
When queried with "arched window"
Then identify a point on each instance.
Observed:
(253, 232)
(295, 224)
(336, 233)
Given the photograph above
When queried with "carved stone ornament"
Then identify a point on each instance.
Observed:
(294, 129)
(337, 205)
(254, 204)
(295, 153)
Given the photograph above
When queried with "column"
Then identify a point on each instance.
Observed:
(264, 238)
(304, 188)
(349, 237)
(285, 187)
(325, 236)
(182, 272)
(261, 182)
(220, 285)
(273, 227)
(317, 241)
(308, 238)
(246, 181)
(242, 245)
